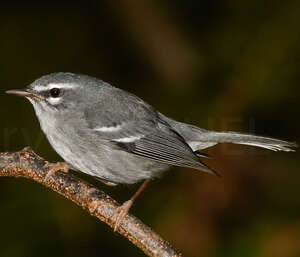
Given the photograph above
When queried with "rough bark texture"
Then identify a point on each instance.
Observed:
(29, 165)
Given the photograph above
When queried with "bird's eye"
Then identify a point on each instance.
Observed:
(55, 92)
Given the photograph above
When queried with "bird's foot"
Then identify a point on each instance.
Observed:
(120, 213)
(53, 167)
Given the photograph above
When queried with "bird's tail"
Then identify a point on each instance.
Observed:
(198, 138)
(211, 138)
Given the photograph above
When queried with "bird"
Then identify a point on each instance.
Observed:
(118, 138)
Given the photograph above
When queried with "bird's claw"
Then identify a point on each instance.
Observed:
(120, 213)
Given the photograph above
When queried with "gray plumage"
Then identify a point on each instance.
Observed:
(113, 135)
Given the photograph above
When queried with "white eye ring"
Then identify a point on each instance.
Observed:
(55, 95)
(54, 101)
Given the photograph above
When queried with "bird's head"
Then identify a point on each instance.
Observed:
(60, 92)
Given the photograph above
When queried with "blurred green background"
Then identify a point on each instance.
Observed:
(223, 65)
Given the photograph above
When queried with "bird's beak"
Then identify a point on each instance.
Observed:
(19, 92)
(23, 92)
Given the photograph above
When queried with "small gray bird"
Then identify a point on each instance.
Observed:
(117, 137)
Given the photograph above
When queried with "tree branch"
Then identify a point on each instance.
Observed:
(29, 165)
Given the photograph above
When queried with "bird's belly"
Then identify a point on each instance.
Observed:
(100, 160)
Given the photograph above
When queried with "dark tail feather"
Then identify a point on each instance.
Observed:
(205, 168)
(204, 155)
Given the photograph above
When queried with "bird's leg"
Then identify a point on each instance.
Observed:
(53, 167)
(120, 212)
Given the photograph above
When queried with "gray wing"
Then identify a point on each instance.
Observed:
(164, 145)
(136, 127)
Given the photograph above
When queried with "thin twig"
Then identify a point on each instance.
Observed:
(29, 165)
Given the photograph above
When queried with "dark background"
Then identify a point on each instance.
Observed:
(223, 65)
